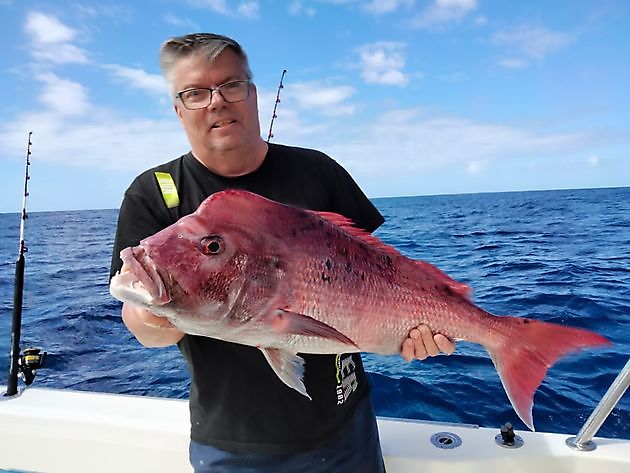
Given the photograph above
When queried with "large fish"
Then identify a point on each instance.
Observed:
(249, 270)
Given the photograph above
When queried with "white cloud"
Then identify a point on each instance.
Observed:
(60, 54)
(407, 144)
(380, 7)
(475, 167)
(453, 77)
(324, 99)
(532, 43)
(424, 142)
(249, 10)
(443, 12)
(75, 131)
(593, 161)
(514, 63)
(51, 40)
(382, 63)
(338, 2)
(47, 29)
(218, 6)
(114, 12)
(139, 79)
(299, 8)
(481, 21)
(400, 145)
(100, 139)
(63, 97)
(181, 22)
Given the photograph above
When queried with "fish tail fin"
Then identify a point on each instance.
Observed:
(527, 348)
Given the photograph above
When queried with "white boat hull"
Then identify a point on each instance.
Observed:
(47, 430)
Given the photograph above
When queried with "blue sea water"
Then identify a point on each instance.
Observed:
(559, 256)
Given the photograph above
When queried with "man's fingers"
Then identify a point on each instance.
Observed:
(427, 340)
(444, 344)
(407, 350)
(161, 324)
(422, 343)
(413, 347)
(153, 321)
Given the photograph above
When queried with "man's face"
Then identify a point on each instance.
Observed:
(221, 126)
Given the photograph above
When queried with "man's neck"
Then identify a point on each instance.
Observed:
(234, 163)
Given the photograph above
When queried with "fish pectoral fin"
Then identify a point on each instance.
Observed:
(285, 321)
(288, 366)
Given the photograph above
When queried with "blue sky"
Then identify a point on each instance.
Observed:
(413, 97)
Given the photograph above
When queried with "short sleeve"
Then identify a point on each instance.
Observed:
(350, 201)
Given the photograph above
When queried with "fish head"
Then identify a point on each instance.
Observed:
(215, 265)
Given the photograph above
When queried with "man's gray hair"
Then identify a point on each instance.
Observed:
(208, 44)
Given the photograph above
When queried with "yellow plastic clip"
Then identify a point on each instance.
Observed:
(169, 191)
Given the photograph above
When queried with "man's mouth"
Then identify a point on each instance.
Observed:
(223, 123)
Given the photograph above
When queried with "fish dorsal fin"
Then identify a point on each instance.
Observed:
(349, 226)
(457, 287)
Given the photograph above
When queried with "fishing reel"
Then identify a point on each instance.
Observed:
(29, 362)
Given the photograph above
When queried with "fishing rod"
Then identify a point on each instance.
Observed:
(275, 105)
(27, 363)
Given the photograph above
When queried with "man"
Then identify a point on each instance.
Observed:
(243, 418)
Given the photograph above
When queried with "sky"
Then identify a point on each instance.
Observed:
(412, 97)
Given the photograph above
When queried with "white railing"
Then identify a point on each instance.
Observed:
(584, 439)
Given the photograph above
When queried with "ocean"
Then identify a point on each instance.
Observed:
(559, 256)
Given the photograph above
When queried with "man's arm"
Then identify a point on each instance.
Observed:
(149, 329)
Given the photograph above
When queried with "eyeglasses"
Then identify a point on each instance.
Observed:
(233, 91)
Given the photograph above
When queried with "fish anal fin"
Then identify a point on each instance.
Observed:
(288, 366)
(527, 349)
(285, 321)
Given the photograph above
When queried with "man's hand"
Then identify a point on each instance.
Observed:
(421, 344)
(149, 329)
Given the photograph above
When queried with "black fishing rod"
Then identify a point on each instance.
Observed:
(24, 364)
(275, 106)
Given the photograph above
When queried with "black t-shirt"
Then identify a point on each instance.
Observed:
(236, 400)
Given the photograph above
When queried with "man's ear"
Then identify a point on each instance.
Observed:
(178, 110)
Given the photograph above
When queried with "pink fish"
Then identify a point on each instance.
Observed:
(249, 270)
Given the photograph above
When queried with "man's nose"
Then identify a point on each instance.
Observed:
(216, 100)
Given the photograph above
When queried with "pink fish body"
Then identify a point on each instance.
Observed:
(245, 269)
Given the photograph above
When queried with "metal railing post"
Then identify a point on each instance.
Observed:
(583, 440)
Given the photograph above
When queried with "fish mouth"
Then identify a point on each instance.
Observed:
(140, 281)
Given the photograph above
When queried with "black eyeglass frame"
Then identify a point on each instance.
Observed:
(212, 90)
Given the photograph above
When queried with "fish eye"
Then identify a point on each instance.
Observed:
(212, 245)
